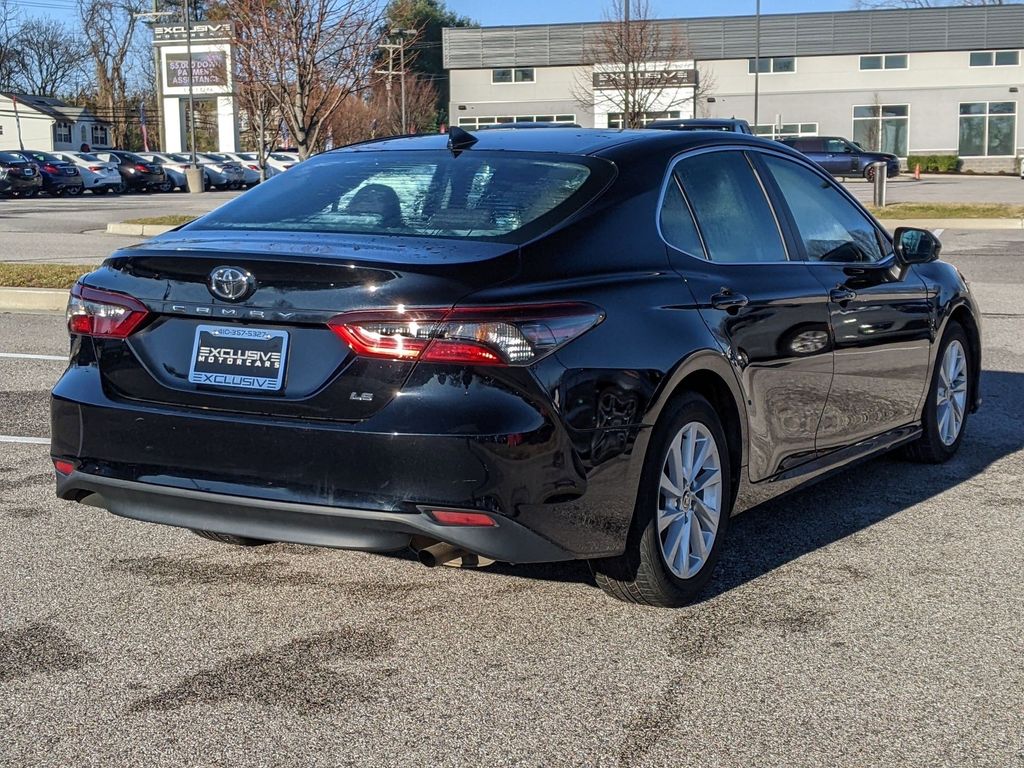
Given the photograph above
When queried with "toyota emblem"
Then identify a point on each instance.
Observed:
(231, 283)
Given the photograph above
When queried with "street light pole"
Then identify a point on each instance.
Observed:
(757, 60)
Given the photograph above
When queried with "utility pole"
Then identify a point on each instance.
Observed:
(191, 95)
(757, 59)
(390, 72)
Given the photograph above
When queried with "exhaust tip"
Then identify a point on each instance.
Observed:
(439, 554)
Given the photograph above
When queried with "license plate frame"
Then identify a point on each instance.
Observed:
(246, 359)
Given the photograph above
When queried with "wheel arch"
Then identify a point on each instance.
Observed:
(708, 374)
(963, 316)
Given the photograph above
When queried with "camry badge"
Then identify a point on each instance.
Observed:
(231, 283)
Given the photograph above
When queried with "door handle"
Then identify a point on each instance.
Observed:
(841, 295)
(729, 301)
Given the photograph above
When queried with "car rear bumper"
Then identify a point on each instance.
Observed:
(318, 525)
(359, 485)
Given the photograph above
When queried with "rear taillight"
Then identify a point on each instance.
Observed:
(49, 168)
(253, 167)
(64, 466)
(95, 168)
(92, 312)
(508, 336)
(140, 167)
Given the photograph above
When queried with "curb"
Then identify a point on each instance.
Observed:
(891, 224)
(139, 230)
(33, 299)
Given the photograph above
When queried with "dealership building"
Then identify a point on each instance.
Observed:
(942, 81)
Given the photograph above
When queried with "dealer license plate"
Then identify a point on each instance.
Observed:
(239, 358)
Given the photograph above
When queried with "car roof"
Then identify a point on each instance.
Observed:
(577, 141)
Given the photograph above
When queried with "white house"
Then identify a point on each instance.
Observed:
(48, 124)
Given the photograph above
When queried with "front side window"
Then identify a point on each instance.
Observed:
(988, 128)
(882, 128)
(830, 226)
(732, 211)
(503, 196)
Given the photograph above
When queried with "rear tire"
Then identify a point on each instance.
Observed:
(948, 404)
(688, 506)
(227, 538)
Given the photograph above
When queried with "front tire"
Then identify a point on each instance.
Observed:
(949, 400)
(227, 538)
(682, 511)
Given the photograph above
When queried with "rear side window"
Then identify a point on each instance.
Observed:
(677, 225)
(831, 227)
(506, 196)
(731, 208)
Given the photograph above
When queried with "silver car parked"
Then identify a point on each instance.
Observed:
(98, 176)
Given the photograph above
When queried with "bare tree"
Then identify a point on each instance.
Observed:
(314, 54)
(641, 67)
(369, 116)
(111, 28)
(8, 51)
(52, 58)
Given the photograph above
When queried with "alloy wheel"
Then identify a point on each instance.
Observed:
(690, 500)
(951, 395)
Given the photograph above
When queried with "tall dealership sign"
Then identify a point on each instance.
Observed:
(212, 79)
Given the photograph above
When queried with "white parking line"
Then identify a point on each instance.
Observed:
(938, 232)
(29, 440)
(62, 358)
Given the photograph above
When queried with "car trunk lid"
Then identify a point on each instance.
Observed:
(299, 283)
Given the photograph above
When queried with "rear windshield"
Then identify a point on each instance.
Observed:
(504, 196)
(11, 157)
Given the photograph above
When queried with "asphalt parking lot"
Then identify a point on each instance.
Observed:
(875, 619)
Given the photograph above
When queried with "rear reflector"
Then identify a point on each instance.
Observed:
(507, 335)
(92, 312)
(63, 466)
(455, 517)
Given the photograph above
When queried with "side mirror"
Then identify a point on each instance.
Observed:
(915, 246)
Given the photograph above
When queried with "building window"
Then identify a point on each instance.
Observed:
(99, 135)
(615, 118)
(995, 58)
(786, 130)
(772, 64)
(988, 128)
(888, 61)
(882, 128)
(518, 75)
(480, 122)
(1, 130)
(62, 133)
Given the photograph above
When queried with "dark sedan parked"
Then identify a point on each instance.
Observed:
(59, 176)
(137, 173)
(519, 346)
(19, 176)
(843, 158)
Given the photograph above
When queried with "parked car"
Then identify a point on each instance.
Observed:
(19, 176)
(174, 169)
(732, 125)
(222, 175)
(250, 171)
(98, 176)
(60, 177)
(281, 161)
(842, 157)
(137, 173)
(472, 345)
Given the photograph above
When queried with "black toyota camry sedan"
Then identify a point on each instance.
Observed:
(519, 346)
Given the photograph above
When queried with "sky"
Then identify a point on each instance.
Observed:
(491, 12)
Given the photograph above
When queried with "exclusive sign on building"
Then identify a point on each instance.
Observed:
(212, 79)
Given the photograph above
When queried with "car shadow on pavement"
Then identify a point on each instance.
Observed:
(779, 531)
